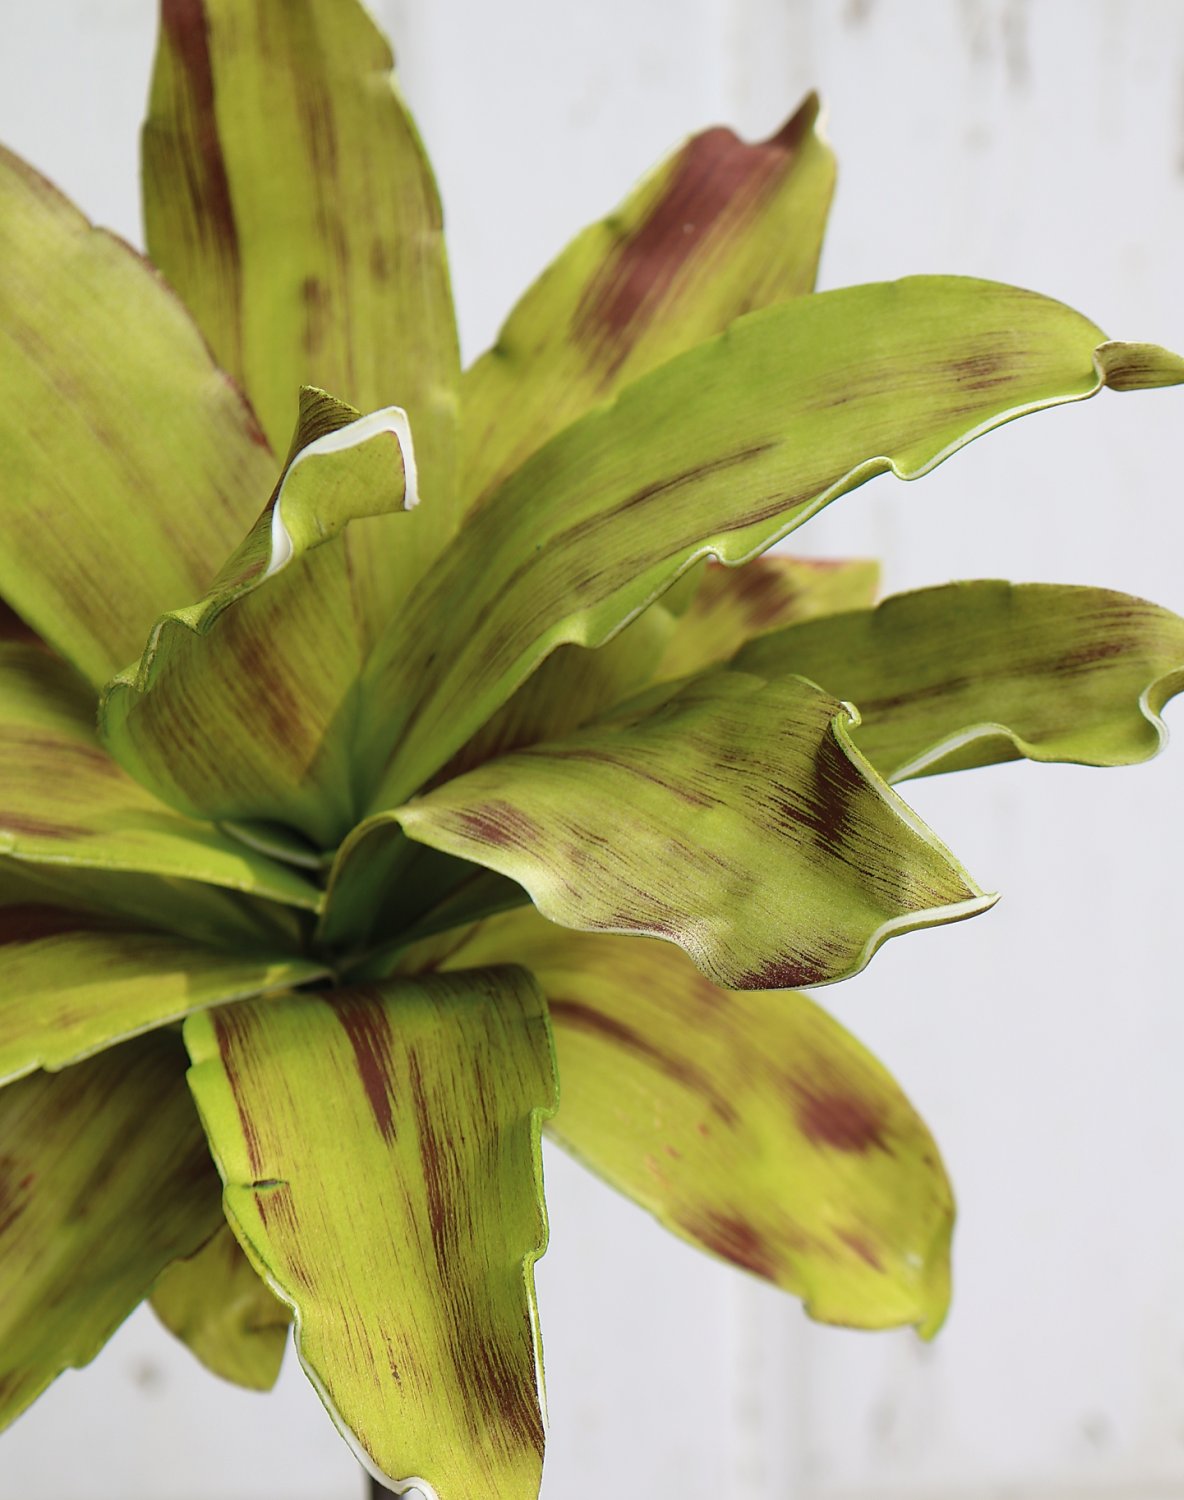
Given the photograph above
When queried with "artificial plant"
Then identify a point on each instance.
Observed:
(360, 825)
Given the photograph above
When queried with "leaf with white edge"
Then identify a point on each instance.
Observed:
(408, 1258)
(72, 984)
(719, 228)
(236, 708)
(721, 451)
(736, 821)
(217, 1305)
(64, 801)
(310, 252)
(969, 674)
(74, 1260)
(131, 464)
(734, 605)
(754, 1126)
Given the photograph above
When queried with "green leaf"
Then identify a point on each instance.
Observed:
(1139, 367)
(66, 802)
(753, 1126)
(207, 914)
(408, 1258)
(719, 228)
(311, 252)
(733, 605)
(131, 464)
(93, 1206)
(72, 984)
(216, 1304)
(736, 820)
(973, 673)
(384, 887)
(379, 887)
(720, 451)
(236, 708)
(570, 688)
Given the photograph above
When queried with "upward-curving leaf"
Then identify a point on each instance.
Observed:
(720, 228)
(237, 709)
(723, 451)
(408, 1258)
(131, 464)
(311, 251)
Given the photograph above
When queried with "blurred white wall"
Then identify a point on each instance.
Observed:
(1041, 143)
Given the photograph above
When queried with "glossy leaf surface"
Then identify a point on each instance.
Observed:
(105, 524)
(722, 451)
(74, 1259)
(216, 1304)
(735, 820)
(407, 1258)
(972, 673)
(722, 227)
(754, 1126)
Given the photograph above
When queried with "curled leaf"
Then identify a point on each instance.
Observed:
(735, 820)
(259, 671)
(972, 673)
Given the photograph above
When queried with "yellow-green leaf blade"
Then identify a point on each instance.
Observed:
(571, 687)
(723, 451)
(311, 252)
(207, 914)
(64, 801)
(971, 673)
(258, 674)
(754, 1126)
(720, 228)
(735, 820)
(93, 1205)
(731, 606)
(216, 1303)
(408, 1259)
(72, 984)
(132, 465)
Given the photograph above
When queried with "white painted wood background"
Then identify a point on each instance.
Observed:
(1041, 143)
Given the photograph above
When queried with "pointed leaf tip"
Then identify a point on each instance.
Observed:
(1138, 367)
(340, 439)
